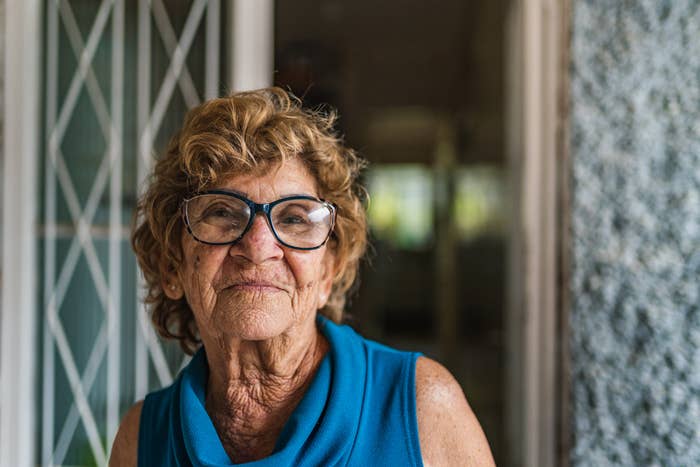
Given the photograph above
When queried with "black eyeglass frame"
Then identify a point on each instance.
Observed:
(255, 208)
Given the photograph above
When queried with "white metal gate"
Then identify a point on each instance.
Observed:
(99, 352)
(92, 90)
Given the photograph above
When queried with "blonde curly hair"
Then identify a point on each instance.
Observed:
(244, 133)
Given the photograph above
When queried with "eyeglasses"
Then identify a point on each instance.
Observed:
(218, 217)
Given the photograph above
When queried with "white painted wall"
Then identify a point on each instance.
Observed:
(251, 44)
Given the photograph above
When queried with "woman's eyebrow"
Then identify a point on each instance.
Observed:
(285, 195)
(231, 190)
(290, 195)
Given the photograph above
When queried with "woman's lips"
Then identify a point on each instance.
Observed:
(256, 286)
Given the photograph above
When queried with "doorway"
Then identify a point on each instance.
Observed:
(420, 93)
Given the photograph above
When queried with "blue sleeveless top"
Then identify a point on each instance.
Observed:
(359, 410)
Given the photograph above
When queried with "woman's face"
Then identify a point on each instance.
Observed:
(256, 289)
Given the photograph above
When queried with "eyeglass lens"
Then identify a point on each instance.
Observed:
(298, 223)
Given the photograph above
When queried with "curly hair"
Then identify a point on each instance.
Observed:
(244, 133)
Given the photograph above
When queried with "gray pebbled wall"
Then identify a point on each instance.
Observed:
(635, 152)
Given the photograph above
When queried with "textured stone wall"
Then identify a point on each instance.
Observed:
(635, 149)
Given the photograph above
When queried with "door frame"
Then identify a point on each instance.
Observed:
(537, 327)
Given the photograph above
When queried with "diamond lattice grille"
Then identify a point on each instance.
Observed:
(99, 351)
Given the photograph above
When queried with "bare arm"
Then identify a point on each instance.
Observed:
(125, 447)
(449, 432)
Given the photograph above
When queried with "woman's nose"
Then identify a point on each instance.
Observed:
(259, 243)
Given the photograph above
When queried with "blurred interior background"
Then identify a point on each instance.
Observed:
(420, 93)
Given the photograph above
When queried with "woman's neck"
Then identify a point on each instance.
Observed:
(254, 387)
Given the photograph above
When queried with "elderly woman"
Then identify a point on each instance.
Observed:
(249, 237)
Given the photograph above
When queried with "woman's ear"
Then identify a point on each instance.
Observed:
(172, 287)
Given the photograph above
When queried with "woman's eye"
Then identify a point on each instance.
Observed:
(224, 214)
(218, 213)
(221, 213)
(294, 219)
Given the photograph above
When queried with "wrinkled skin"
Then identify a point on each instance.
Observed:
(255, 305)
(256, 289)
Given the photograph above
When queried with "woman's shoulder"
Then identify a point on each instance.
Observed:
(125, 447)
(448, 430)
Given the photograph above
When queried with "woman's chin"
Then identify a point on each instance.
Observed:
(260, 331)
(256, 324)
